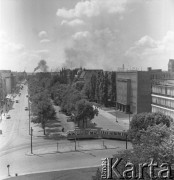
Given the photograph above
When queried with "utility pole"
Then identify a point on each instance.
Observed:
(31, 140)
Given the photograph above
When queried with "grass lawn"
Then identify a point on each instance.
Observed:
(75, 174)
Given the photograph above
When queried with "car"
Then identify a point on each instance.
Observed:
(8, 116)
(26, 108)
(26, 95)
(0, 131)
(17, 101)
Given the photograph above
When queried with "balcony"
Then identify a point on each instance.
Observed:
(163, 106)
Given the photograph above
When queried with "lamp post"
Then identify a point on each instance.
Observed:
(8, 167)
(126, 137)
(129, 119)
(116, 111)
(31, 140)
(126, 140)
(29, 115)
(29, 112)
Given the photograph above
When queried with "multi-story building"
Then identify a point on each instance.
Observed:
(2, 93)
(6, 74)
(133, 89)
(171, 65)
(163, 97)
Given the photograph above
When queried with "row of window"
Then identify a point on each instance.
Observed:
(164, 111)
(164, 102)
(163, 90)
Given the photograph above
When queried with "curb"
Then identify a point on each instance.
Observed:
(56, 170)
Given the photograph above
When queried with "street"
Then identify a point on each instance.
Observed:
(15, 146)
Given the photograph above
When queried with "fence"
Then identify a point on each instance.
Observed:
(80, 145)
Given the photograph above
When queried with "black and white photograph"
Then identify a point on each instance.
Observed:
(86, 89)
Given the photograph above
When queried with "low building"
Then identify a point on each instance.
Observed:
(163, 97)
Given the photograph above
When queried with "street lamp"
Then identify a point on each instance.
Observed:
(31, 140)
(129, 119)
(29, 112)
(8, 167)
(116, 111)
(126, 137)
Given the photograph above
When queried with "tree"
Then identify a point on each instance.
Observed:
(143, 120)
(58, 92)
(105, 93)
(156, 143)
(44, 112)
(92, 87)
(85, 112)
(113, 87)
(70, 97)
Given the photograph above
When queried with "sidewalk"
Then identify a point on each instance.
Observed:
(106, 120)
(122, 118)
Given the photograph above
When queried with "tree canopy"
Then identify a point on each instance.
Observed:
(143, 120)
(85, 112)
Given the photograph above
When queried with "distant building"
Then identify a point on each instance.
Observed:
(133, 90)
(13, 82)
(6, 74)
(2, 93)
(171, 65)
(163, 97)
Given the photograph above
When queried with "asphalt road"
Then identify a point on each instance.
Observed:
(15, 147)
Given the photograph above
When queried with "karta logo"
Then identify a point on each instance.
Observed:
(110, 165)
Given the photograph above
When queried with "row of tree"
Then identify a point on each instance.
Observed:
(41, 105)
(73, 102)
(101, 88)
(45, 89)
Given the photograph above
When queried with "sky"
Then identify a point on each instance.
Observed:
(95, 34)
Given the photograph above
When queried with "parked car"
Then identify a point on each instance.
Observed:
(26, 95)
(0, 131)
(26, 108)
(8, 116)
(17, 101)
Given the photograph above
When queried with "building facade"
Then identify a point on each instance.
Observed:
(171, 65)
(6, 74)
(133, 89)
(163, 97)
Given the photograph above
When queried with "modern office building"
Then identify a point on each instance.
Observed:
(163, 97)
(133, 89)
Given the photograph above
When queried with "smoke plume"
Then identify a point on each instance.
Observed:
(42, 65)
(96, 41)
